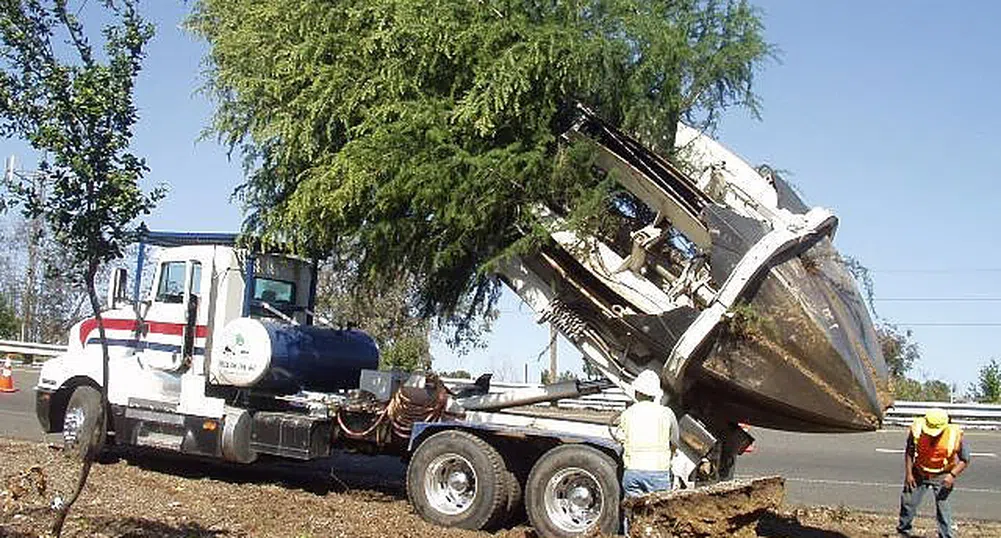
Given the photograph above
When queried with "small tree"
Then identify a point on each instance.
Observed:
(564, 376)
(936, 390)
(8, 319)
(77, 107)
(456, 374)
(987, 388)
(409, 353)
(899, 351)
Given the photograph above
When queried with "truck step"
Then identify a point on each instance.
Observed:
(165, 441)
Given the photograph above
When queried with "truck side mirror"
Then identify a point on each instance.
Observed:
(117, 287)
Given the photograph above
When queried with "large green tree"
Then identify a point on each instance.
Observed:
(75, 104)
(422, 133)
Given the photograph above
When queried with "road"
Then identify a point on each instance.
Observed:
(17, 410)
(862, 471)
(865, 470)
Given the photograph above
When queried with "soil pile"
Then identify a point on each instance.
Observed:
(732, 508)
(140, 494)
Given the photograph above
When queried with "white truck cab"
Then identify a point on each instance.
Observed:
(161, 342)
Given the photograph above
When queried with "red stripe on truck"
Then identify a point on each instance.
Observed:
(155, 327)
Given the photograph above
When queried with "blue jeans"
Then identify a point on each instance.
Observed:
(910, 501)
(636, 482)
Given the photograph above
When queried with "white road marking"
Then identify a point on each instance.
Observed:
(873, 484)
(901, 451)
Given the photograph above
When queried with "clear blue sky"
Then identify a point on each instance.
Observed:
(883, 111)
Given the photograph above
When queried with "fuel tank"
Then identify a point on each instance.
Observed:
(284, 358)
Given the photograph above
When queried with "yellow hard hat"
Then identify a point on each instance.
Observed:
(935, 421)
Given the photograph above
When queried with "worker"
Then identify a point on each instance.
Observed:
(648, 432)
(934, 458)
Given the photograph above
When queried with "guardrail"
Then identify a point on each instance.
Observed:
(31, 348)
(968, 415)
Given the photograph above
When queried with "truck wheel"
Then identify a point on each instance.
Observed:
(456, 479)
(82, 435)
(514, 509)
(573, 489)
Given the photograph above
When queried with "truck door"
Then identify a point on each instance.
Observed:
(173, 328)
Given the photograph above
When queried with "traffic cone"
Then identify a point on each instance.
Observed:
(7, 377)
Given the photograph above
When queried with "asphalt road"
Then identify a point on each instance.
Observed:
(862, 471)
(17, 410)
(866, 470)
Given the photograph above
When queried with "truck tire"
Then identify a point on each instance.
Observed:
(573, 489)
(83, 437)
(456, 479)
(514, 508)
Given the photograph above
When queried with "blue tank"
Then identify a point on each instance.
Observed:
(305, 357)
(286, 359)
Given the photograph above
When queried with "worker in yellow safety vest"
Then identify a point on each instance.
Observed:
(935, 456)
(648, 432)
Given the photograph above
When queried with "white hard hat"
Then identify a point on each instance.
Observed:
(648, 382)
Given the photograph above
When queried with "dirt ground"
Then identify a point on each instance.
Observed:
(140, 495)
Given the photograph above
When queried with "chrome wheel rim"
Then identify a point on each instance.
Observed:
(72, 424)
(450, 484)
(573, 499)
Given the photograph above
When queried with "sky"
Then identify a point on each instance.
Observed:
(884, 112)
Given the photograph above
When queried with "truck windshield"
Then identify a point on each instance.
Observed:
(276, 292)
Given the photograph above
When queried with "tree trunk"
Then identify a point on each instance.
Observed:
(91, 455)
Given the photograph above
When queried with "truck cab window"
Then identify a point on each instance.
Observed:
(171, 286)
(196, 282)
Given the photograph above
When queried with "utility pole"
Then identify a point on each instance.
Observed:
(553, 334)
(553, 366)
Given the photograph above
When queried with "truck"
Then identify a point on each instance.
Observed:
(719, 277)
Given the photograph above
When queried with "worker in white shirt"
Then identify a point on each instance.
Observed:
(648, 432)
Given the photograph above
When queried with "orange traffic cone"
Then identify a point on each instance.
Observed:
(7, 377)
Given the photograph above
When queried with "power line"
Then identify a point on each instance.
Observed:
(941, 270)
(938, 299)
(951, 324)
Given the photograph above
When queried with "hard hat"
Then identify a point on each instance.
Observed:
(935, 421)
(648, 382)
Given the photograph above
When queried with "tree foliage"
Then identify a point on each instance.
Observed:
(899, 350)
(987, 388)
(931, 390)
(50, 302)
(8, 319)
(567, 375)
(421, 133)
(75, 105)
(456, 374)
